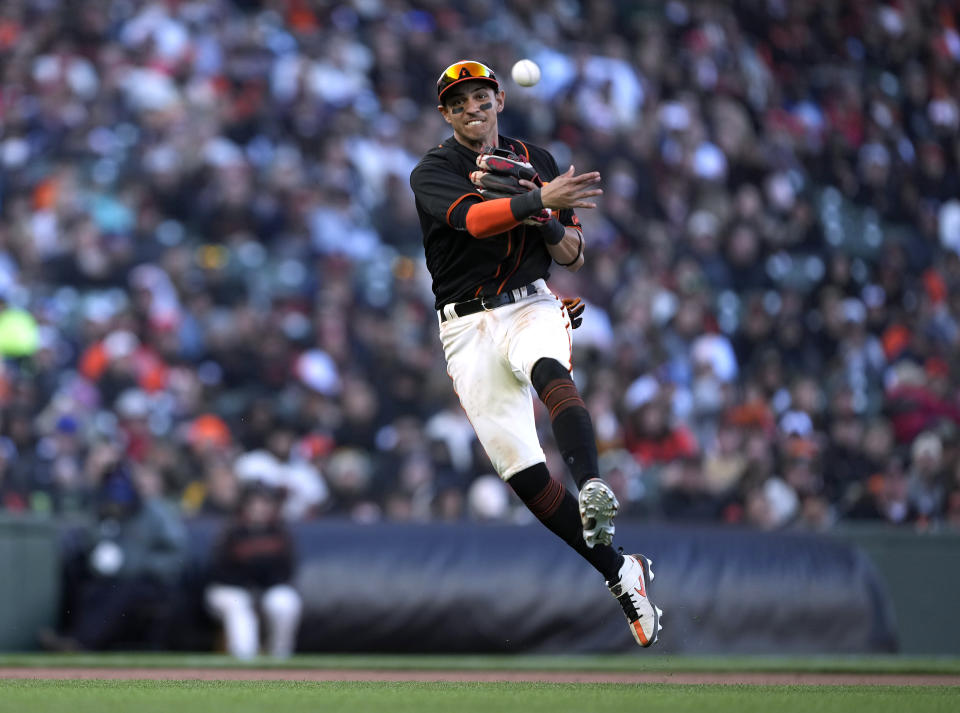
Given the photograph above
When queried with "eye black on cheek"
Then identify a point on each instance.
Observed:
(486, 107)
(456, 110)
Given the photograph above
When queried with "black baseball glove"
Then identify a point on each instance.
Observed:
(499, 174)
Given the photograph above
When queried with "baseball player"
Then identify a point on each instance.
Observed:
(496, 213)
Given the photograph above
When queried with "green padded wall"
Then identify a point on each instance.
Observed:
(29, 580)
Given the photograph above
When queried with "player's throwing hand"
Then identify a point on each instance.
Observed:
(571, 191)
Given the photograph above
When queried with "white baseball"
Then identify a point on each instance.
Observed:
(525, 72)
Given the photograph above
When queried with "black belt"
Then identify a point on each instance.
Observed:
(480, 304)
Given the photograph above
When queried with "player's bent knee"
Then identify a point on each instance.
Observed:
(530, 480)
(282, 600)
(547, 369)
(519, 467)
(555, 387)
(225, 600)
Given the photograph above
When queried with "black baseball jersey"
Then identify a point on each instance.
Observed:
(462, 266)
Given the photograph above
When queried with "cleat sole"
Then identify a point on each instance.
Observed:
(598, 506)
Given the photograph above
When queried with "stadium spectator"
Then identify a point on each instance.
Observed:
(251, 571)
(122, 584)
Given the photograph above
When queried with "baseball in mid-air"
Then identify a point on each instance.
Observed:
(525, 72)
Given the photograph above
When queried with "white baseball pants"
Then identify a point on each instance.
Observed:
(490, 355)
(236, 608)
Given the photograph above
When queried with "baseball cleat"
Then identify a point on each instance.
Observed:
(631, 591)
(598, 507)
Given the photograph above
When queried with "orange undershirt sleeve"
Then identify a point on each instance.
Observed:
(490, 218)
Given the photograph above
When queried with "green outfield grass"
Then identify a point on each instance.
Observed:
(290, 697)
(641, 661)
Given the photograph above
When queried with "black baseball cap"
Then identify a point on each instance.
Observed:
(462, 71)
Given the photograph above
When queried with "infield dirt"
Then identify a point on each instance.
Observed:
(210, 674)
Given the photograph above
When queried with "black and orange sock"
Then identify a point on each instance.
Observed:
(569, 418)
(556, 508)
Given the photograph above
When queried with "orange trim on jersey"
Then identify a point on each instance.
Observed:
(490, 218)
(500, 264)
(457, 202)
(496, 274)
(526, 151)
(523, 239)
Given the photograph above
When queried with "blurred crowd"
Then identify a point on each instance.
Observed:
(211, 269)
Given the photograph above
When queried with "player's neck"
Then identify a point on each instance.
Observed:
(491, 139)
